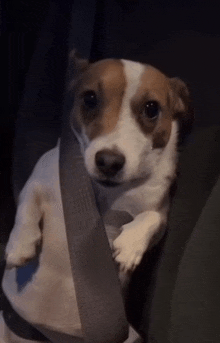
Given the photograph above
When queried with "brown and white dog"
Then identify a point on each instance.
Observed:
(126, 118)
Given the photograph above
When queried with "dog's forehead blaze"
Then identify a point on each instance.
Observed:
(109, 76)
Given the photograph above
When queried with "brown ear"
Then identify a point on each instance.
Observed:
(77, 62)
(180, 95)
(182, 105)
(77, 65)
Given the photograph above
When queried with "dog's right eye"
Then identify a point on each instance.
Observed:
(152, 110)
(90, 100)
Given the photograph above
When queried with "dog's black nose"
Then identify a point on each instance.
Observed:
(109, 162)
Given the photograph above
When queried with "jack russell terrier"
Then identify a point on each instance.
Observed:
(127, 116)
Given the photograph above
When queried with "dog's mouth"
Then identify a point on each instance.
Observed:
(108, 183)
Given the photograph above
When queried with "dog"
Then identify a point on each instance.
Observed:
(126, 116)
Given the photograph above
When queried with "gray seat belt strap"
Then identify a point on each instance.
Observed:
(97, 286)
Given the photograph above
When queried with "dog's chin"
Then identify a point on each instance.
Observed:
(108, 183)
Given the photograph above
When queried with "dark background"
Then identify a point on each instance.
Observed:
(20, 24)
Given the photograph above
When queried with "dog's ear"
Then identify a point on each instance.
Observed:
(180, 96)
(76, 66)
(77, 62)
(181, 100)
(182, 105)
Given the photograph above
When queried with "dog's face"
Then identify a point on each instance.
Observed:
(126, 112)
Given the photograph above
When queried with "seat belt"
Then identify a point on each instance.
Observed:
(97, 286)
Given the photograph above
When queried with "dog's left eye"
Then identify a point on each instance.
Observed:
(152, 109)
(90, 99)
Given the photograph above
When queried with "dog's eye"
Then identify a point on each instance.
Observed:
(90, 99)
(152, 109)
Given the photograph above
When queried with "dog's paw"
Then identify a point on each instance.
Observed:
(18, 256)
(128, 250)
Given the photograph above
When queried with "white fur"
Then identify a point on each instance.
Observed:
(49, 299)
(141, 202)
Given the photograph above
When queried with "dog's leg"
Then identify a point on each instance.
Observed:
(135, 239)
(26, 233)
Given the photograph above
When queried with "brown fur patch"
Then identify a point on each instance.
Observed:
(172, 96)
(162, 133)
(154, 86)
(106, 78)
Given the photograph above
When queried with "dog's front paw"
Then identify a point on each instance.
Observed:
(21, 248)
(19, 255)
(128, 250)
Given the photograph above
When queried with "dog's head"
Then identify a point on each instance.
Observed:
(127, 113)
